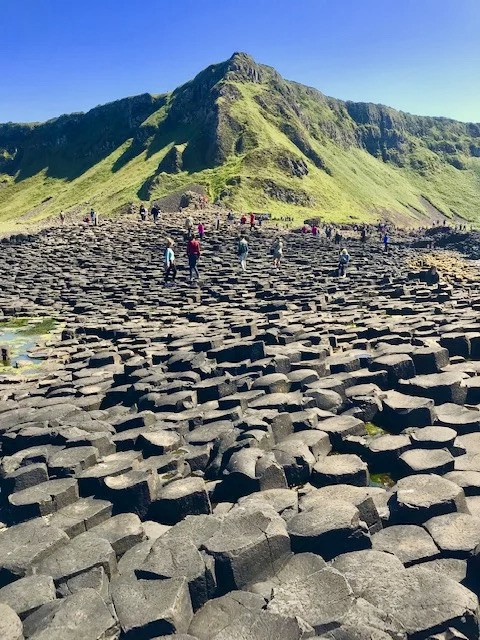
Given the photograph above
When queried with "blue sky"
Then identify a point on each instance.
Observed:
(59, 56)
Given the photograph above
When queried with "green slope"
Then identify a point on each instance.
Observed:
(255, 141)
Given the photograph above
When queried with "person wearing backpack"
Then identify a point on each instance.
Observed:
(343, 260)
(243, 252)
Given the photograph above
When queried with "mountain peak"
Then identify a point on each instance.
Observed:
(241, 66)
(241, 55)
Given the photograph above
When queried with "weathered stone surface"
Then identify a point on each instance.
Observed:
(82, 616)
(424, 602)
(80, 516)
(10, 624)
(411, 544)
(342, 469)
(43, 499)
(418, 498)
(329, 530)
(365, 499)
(26, 544)
(180, 558)
(457, 535)
(149, 608)
(400, 411)
(219, 613)
(81, 554)
(322, 599)
(28, 594)
(179, 499)
(247, 547)
(123, 531)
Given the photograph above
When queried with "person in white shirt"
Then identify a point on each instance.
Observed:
(169, 260)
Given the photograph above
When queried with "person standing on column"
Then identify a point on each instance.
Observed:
(277, 251)
(169, 261)
(243, 252)
(193, 254)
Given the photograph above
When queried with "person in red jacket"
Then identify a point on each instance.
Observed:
(252, 221)
(193, 254)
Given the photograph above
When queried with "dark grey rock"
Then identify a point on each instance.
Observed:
(219, 613)
(418, 498)
(24, 545)
(149, 608)
(81, 554)
(329, 530)
(179, 499)
(82, 616)
(28, 594)
(410, 543)
(248, 547)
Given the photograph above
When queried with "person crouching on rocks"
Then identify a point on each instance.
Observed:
(169, 260)
(243, 252)
(432, 276)
(343, 260)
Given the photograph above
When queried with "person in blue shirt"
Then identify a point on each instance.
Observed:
(386, 240)
(169, 260)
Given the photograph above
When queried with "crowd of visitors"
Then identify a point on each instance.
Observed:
(195, 232)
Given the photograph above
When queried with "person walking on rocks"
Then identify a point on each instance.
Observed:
(217, 221)
(338, 237)
(201, 230)
(155, 213)
(169, 260)
(189, 226)
(252, 221)
(193, 255)
(143, 213)
(386, 240)
(277, 251)
(343, 260)
(243, 252)
(62, 218)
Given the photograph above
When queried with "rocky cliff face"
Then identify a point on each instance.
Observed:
(242, 115)
(73, 142)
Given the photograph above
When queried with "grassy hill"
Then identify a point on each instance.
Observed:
(255, 142)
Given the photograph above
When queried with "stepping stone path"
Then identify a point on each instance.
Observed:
(272, 454)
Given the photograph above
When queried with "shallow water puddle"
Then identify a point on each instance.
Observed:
(20, 336)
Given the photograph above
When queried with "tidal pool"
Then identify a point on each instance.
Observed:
(20, 336)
